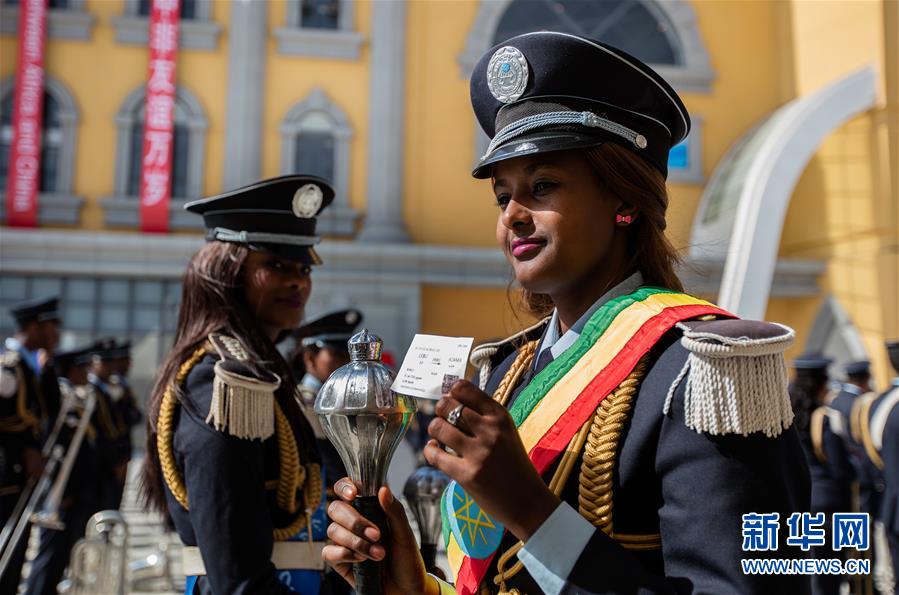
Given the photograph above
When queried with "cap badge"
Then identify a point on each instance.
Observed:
(507, 74)
(306, 201)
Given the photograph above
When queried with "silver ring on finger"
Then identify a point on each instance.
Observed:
(455, 415)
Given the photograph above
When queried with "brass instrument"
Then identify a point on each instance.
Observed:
(99, 560)
(48, 517)
(48, 490)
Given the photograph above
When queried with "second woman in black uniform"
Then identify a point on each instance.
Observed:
(231, 458)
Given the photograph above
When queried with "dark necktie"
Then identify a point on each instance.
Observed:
(543, 360)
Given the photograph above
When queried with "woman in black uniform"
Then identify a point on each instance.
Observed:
(648, 421)
(231, 457)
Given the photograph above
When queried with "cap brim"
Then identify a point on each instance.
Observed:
(541, 141)
(303, 254)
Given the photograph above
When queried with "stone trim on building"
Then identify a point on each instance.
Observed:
(198, 33)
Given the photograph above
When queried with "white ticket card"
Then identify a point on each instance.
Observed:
(431, 366)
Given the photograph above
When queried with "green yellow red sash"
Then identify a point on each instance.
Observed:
(565, 394)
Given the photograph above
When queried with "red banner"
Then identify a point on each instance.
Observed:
(23, 176)
(159, 117)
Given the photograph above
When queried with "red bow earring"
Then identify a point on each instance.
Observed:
(623, 219)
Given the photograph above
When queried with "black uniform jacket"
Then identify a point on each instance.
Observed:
(691, 488)
(232, 514)
(829, 464)
(38, 396)
(870, 479)
(111, 424)
(889, 454)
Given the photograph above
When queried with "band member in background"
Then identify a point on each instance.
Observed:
(605, 440)
(81, 495)
(127, 405)
(28, 398)
(230, 456)
(111, 423)
(826, 451)
(858, 375)
(849, 400)
(880, 437)
(322, 344)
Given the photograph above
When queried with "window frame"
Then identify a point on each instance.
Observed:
(342, 43)
(122, 209)
(198, 33)
(60, 206)
(340, 218)
(71, 22)
(692, 174)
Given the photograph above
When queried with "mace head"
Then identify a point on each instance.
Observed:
(361, 415)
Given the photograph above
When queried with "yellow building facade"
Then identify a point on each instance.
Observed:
(783, 199)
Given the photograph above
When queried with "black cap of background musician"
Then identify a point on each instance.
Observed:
(104, 349)
(40, 310)
(121, 350)
(277, 215)
(859, 368)
(549, 91)
(893, 353)
(812, 364)
(331, 330)
(64, 360)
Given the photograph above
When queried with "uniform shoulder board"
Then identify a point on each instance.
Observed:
(9, 375)
(881, 415)
(860, 405)
(736, 377)
(816, 433)
(484, 356)
(243, 403)
(10, 358)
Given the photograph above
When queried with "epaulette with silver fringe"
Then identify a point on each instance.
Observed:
(736, 377)
(10, 358)
(243, 403)
(9, 382)
(482, 356)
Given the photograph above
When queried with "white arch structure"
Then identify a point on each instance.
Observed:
(745, 203)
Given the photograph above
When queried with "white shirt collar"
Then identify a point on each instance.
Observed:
(558, 344)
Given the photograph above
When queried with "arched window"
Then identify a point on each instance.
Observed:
(662, 33)
(314, 145)
(60, 122)
(51, 138)
(180, 155)
(188, 157)
(630, 25)
(315, 139)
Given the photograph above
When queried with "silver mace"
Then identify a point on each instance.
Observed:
(365, 420)
(423, 491)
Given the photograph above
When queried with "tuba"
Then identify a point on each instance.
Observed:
(99, 560)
